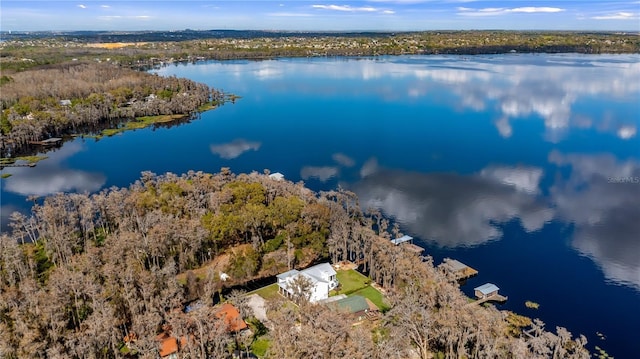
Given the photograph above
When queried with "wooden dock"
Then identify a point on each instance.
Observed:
(48, 142)
(492, 298)
(459, 270)
(17, 165)
(407, 242)
(413, 248)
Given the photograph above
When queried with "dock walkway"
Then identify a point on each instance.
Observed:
(492, 298)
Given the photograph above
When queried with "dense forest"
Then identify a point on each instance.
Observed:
(73, 97)
(83, 274)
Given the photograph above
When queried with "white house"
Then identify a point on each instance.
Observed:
(322, 278)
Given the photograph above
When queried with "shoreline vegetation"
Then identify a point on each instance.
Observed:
(82, 274)
(87, 98)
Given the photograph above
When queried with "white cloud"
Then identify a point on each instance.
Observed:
(618, 16)
(234, 148)
(345, 8)
(352, 9)
(105, 6)
(82, 6)
(502, 11)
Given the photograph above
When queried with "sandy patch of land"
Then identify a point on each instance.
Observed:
(115, 45)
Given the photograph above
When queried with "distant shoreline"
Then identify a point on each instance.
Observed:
(143, 50)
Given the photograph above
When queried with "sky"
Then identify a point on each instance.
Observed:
(310, 15)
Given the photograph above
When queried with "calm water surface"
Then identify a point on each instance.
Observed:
(526, 167)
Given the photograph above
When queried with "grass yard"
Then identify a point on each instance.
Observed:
(350, 281)
(375, 296)
(268, 292)
(260, 347)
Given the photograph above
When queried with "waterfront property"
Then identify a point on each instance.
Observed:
(488, 293)
(407, 242)
(458, 269)
(321, 279)
(486, 290)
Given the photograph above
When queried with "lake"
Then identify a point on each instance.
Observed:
(526, 167)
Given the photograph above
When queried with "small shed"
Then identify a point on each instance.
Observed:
(486, 290)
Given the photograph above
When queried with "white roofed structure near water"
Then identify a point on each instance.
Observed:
(277, 176)
(487, 288)
(401, 240)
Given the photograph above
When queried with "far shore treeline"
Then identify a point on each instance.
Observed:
(81, 273)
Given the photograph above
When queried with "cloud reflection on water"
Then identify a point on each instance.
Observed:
(455, 210)
(553, 87)
(322, 173)
(601, 198)
(49, 176)
(234, 148)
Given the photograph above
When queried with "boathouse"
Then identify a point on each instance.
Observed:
(458, 269)
(407, 242)
(486, 290)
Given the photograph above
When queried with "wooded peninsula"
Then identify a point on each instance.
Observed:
(104, 275)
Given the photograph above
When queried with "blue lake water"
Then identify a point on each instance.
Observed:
(526, 167)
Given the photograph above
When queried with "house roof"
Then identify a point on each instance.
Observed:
(401, 240)
(287, 274)
(487, 288)
(169, 344)
(231, 317)
(320, 271)
(352, 304)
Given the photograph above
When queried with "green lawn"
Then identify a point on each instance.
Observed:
(260, 346)
(375, 296)
(268, 292)
(350, 281)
